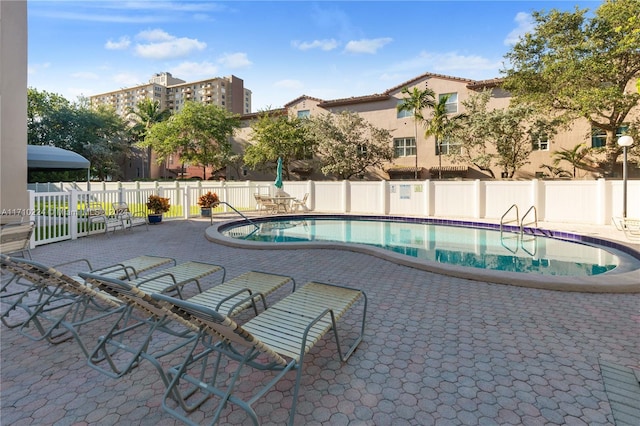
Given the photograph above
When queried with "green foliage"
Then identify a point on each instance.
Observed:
(578, 157)
(500, 137)
(99, 135)
(574, 66)
(278, 135)
(348, 144)
(199, 133)
(442, 126)
(416, 101)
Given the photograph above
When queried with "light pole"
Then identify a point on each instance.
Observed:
(625, 142)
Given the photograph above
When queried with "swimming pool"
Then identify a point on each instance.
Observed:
(473, 250)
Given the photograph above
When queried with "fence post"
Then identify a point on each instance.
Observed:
(480, 199)
(428, 198)
(603, 202)
(73, 214)
(346, 196)
(32, 216)
(311, 200)
(384, 197)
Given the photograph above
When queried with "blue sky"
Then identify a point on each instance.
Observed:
(281, 49)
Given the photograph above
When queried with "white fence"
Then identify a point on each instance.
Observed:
(61, 215)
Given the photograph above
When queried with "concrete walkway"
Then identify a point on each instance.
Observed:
(437, 350)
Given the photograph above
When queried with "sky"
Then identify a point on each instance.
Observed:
(281, 49)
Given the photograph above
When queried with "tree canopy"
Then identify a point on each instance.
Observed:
(99, 135)
(499, 137)
(200, 133)
(277, 136)
(572, 65)
(347, 144)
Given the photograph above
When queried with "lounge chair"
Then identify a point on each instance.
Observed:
(176, 277)
(61, 306)
(28, 292)
(129, 218)
(15, 240)
(119, 350)
(630, 227)
(276, 340)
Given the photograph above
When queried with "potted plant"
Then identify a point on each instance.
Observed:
(207, 202)
(157, 205)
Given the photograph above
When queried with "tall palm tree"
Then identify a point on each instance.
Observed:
(415, 102)
(442, 125)
(146, 113)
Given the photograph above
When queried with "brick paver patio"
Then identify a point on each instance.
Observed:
(437, 350)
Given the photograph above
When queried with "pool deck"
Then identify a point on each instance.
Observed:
(437, 350)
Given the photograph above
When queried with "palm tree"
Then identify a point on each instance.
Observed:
(146, 113)
(575, 156)
(415, 102)
(441, 125)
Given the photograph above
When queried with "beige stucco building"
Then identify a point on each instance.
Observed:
(381, 111)
(13, 110)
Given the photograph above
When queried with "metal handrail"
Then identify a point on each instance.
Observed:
(534, 222)
(502, 221)
(236, 210)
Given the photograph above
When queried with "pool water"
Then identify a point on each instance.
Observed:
(453, 245)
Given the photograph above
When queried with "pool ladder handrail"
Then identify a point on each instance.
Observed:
(516, 220)
(237, 211)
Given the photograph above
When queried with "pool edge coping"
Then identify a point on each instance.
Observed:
(624, 282)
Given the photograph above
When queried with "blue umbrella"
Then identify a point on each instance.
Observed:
(278, 182)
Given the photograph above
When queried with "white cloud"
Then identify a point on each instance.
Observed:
(235, 60)
(326, 44)
(121, 44)
(525, 25)
(125, 79)
(35, 68)
(289, 84)
(85, 75)
(367, 45)
(190, 71)
(155, 35)
(451, 63)
(163, 45)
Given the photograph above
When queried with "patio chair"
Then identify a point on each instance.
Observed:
(129, 218)
(298, 204)
(265, 203)
(120, 350)
(15, 239)
(276, 341)
(96, 215)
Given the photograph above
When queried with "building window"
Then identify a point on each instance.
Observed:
(540, 143)
(404, 147)
(452, 102)
(599, 136)
(305, 113)
(403, 113)
(449, 147)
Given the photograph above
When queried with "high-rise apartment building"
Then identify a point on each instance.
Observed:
(172, 93)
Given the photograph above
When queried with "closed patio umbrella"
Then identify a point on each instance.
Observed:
(278, 182)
